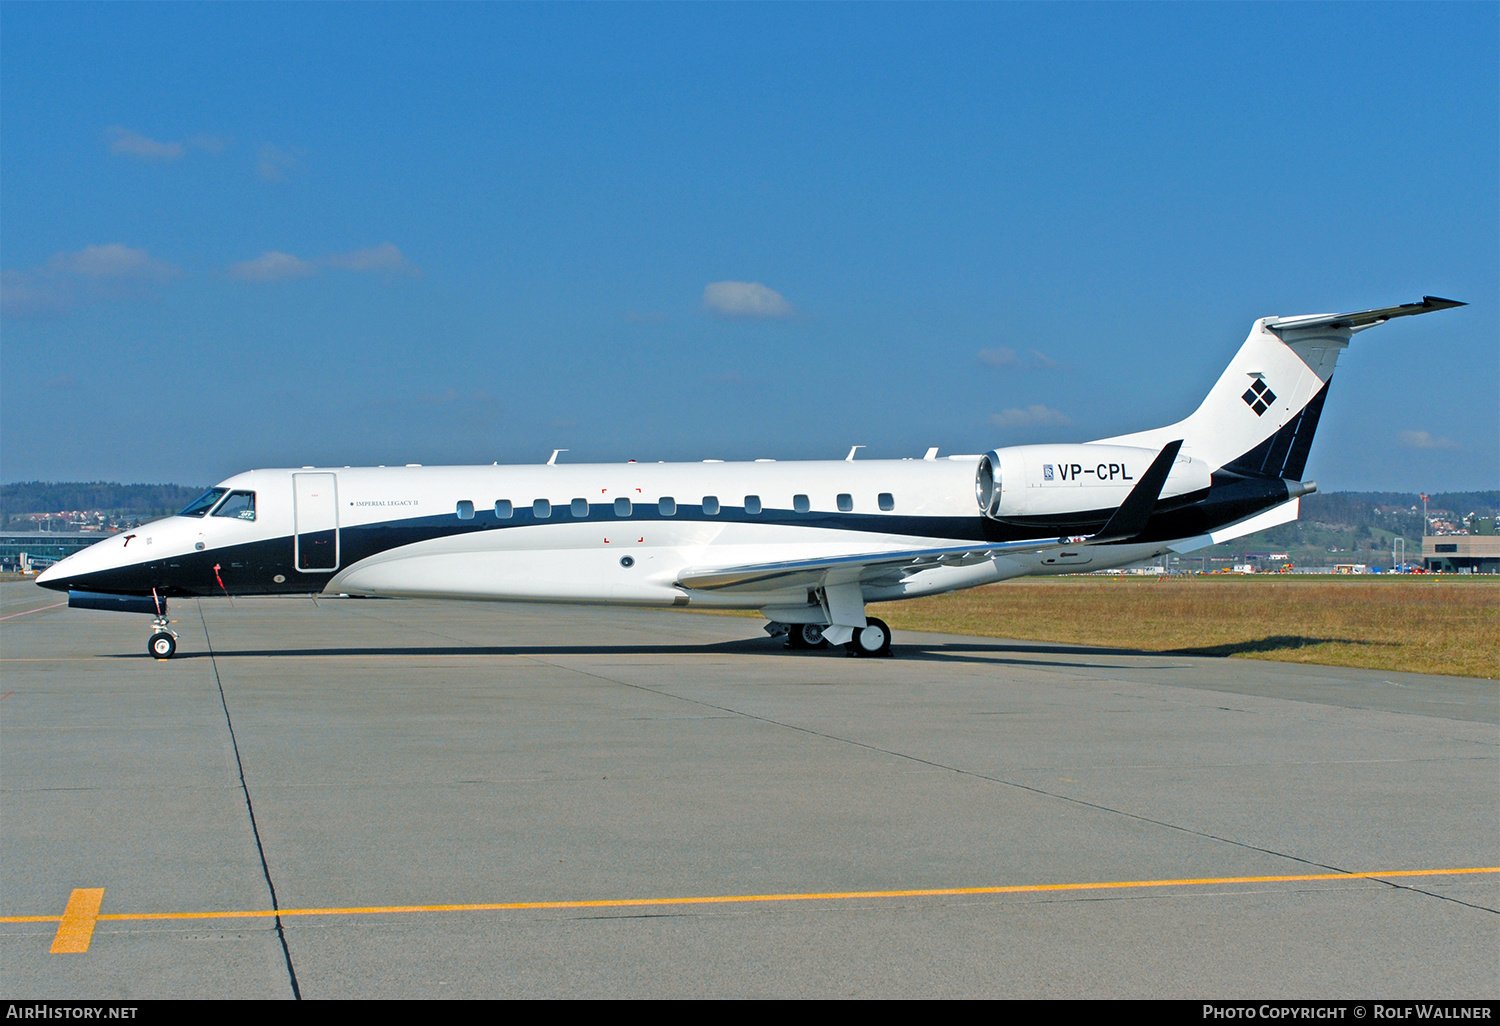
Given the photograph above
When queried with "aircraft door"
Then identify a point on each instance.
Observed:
(315, 508)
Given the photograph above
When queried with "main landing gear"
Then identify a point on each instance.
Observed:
(874, 639)
(871, 640)
(805, 635)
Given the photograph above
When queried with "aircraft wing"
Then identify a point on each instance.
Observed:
(866, 568)
(1364, 318)
(1128, 521)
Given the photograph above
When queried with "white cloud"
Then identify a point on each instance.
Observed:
(749, 300)
(1424, 440)
(1005, 357)
(272, 266)
(1032, 416)
(384, 257)
(276, 266)
(272, 162)
(115, 261)
(94, 273)
(125, 143)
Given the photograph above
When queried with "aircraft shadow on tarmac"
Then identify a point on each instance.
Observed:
(957, 651)
(1274, 643)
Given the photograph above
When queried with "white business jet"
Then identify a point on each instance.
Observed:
(806, 543)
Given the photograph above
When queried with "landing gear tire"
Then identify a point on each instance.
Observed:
(161, 645)
(871, 640)
(805, 635)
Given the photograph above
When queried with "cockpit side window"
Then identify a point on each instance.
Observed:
(202, 504)
(239, 506)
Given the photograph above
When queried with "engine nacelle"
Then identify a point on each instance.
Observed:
(1058, 480)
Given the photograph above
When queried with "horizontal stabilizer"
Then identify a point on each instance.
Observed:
(1131, 518)
(1364, 318)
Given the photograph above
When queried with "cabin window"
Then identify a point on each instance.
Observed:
(579, 507)
(465, 509)
(202, 504)
(503, 510)
(666, 506)
(622, 507)
(239, 506)
(887, 501)
(710, 505)
(541, 509)
(752, 504)
(845, 502)
(801, 503)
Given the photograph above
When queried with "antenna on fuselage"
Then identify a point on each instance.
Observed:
(852, 450)
(552, 460)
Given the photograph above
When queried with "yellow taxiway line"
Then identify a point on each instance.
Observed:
(76, 925)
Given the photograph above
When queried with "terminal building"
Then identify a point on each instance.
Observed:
(1461, 553)
(41, 549)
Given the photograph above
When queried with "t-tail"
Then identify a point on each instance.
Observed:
(1259, 418)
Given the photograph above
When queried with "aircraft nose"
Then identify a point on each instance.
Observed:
(54, 577)
(102, 566)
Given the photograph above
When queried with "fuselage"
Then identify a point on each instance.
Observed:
(613, 533)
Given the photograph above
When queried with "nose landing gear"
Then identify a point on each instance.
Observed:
(163, 641)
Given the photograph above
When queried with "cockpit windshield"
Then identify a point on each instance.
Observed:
(203, 503)
(239, 506)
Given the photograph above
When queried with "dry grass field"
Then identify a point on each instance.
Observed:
(1416, 624)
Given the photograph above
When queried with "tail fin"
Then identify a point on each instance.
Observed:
(1258, 419)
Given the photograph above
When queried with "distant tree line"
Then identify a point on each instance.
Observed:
(21, 500)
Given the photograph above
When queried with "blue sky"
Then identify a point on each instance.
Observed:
(239, 235)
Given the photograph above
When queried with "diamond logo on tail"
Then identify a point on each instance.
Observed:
(1258, 397)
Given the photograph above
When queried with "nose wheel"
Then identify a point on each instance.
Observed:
(163, 641)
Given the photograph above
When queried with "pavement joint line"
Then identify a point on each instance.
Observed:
(260, 849)
(76, 924)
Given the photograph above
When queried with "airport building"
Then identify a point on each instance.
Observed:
(42, 548)
(1461, 553)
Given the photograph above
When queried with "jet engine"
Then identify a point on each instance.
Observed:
(1055, 483)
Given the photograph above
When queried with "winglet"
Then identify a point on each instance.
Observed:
(1130, 519)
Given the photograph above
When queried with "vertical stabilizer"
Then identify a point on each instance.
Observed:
(1258, 419)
